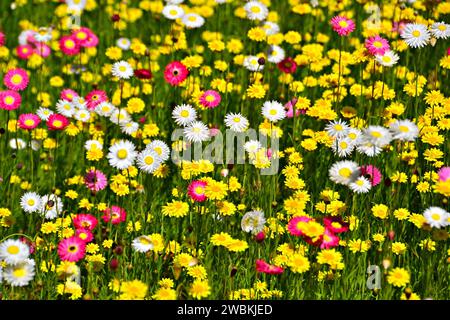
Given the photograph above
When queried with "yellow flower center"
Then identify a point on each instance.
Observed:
(273, 112)
(30, 202)
(403, 128)
(13, 249)
(387, 59)
(57, 123)
(360, 183)
(442, 27)
(436, 217)
(82, 236)
(184, 113)
(338, 127)
(343, 24)
(343, 145)
(255, 9)
(377, 44)
(199, 190)
(19, 273)
(345, 172)
(122, 154)
(16, 79)
(70, 44)
(237, 119)
(29, 123)
(416, 33)
(336, 225)
(122, 68)
(376, 134)
(173, 12)
(145, 240)
(148, 160)
(209, 98)
(81, 35)
(192, 18)
(158, 150)
(9, 100)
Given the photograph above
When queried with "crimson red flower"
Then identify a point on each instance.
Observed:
(335, 224)
(264, 267)
(175, 73)
(95, 97)
(143, 74)
(57, 122)
(115, 214)
(287, 65)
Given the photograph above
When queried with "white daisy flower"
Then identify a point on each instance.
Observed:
(389, 58)
(252, 146)
(25, 35)
(276, 54)
(122, 154)
(14, 251)
(17, 144)
(440, 30)
(123, 43)
(129, 127)
(344, 172)
(196, 131)
(79, 102)
(236, 122)
(160, 147)
(256, 10)
(415, 35)
(30, 202)
(376, 135)
(252, 64)
(142, 244)
(35, 145)
(105, 109)
(44, 113)
(51, 206)
(65, 108)
(368, 148)
(119, 116)
(89, 143)
(270, 28)
(21, 274)
(404, 130)
(354, 135)
(122, 70)
(338, 129)
(273, 111)
(184, 114)
(172, 12)
(193, 20)
(148, 161)
(76, 5)
(82, 115)
(43, 35)
(361, 185)
(343, 147)
(437, 217)
(253, 222)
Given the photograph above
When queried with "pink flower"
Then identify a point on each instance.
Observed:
(81, 35)
(287, 65)
(92, 41)
(448, 51)
(377, 45)
(69, 46)
(84, 234)
(95, 180)
(210, 99)
(329, 240)
(85, 221)
(372, 173)
(57, 122)
(289, 106)
(95, 97)
(2, 39)
(260, 236)
(24, 51)
(444, 174)
(68, 94)
(264, 267)
(175, 73)
(16, 79)
(342, 25)
(335, 224)
(28, 121)
(71, 249)
(293, 225)
(43, 50)
(10, 100)
(196, 190)
(115, 214)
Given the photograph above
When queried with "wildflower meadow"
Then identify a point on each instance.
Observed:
(224, 149)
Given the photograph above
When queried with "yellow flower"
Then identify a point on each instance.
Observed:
(298, 263)
(216, 190)
(398, 277)
(380, 211)
(220, 239)
(331, 257)
(133, 290)
(398, 248)
(198, 272)
(256, 90)
(165, 294)
(175, 209)
(200, 289)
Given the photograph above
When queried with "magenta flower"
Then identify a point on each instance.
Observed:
(372, 173)
(175, 73)
(293, 225)
(210, 99)
(264, 267)
(329, 240)
(24, 51)
(85, 221)
(28, 121)
(95, 180)
(95, 97)
(444, 174)
(2, 39)
(10, 100)
(335, 224)
(68, 94)
(342, 25)
(377, 45)
(196, 190)
(16, 79)
(71, 249)
(115, 214)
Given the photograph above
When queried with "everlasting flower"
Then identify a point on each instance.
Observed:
(377, 45)
(71, 249)
(95, 180)
(196, 190)
(69, 46)
(114, 214)
(210, 99)
(10, 100)
(85, 221)
(264, 267)
(342, 25)
(175, 73)
(287, 65)
(57, 122)
(28, 121)
(122, 70)
(16, 79)
(415, 35)
(372, 174)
